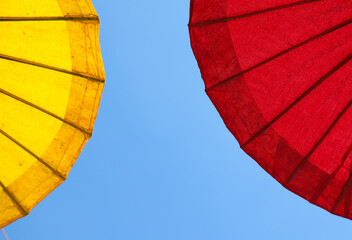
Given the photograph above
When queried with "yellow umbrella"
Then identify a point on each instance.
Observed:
(51, 81)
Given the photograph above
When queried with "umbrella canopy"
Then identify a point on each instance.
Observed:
(279, 73)
(51, 82)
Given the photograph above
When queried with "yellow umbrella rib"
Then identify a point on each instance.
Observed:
(19, 60)
(14, 200)
(67, 18)
(33, 154)
(45, 111)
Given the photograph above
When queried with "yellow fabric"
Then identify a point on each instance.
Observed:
(52, 78)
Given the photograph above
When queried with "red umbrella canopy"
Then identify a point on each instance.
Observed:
(279, 72)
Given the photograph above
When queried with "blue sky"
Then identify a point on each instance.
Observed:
(161, 164)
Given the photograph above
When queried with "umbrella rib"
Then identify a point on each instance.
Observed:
(315, 85)
(33, 154)
(227, 19)
(301, 164)
(19, 60)
(331, 176)
(45, 111)
(344, 190)
(330, 30)
(67, 18)
(14, 200)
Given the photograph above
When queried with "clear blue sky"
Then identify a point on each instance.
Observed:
(161, 165)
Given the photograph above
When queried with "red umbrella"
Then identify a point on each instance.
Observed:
(279, 72)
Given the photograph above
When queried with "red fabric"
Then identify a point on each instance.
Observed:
(280, 74)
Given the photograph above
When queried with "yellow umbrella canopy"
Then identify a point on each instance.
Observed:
(51, 81)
